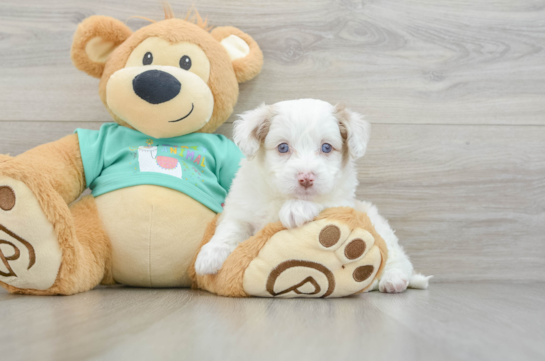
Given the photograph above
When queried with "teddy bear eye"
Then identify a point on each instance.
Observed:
(148, 58)
(185, 62)
(283, 148)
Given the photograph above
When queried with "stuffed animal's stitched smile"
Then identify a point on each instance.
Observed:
(182, 118)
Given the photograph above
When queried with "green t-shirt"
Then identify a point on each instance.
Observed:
(199, 165)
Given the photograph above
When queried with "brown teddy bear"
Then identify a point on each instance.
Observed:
(158, 178)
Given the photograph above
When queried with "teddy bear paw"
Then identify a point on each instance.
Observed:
(30, 255)
(324, 258)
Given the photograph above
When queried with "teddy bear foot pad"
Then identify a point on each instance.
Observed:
(338, 254)
(338, 261)
(30, 255)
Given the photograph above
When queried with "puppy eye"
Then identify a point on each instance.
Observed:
(326, 147)
(185, 62)
(283, 148)
(148, 58)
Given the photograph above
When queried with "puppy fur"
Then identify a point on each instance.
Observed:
(294, 185)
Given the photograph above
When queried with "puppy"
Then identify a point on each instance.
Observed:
(300, 160)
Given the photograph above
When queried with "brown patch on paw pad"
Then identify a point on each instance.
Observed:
(13, 257)
(355, 249)
(362, 273)
(296, 287)
(329, 236)
(7, 198)
(16, 252)
(282, 267)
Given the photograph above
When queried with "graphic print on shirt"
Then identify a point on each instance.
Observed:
(182, 162)
(150, 162)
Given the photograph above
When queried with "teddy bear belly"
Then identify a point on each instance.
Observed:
(154, 232)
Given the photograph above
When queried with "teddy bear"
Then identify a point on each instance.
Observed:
(159, 177)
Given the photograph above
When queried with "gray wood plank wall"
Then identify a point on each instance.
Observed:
(455, 90)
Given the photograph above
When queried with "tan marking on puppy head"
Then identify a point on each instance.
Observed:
(354, 131)
(342, 117)
(261, 131)
(252, 128)
(169, 78)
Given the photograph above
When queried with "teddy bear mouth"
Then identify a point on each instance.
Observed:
(185, 116)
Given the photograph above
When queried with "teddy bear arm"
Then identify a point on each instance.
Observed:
(57, 163)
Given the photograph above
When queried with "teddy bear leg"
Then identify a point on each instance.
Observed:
(94, 251)
(336, 255)
(47, 248)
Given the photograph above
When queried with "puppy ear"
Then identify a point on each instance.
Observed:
(251, 129)
(245, 54)
(94, 40)
(354, 130)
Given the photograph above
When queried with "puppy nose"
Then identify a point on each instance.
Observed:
(156, 86)
(306, 179)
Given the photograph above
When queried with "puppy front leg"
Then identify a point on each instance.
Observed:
(229, 233)
(296, 212)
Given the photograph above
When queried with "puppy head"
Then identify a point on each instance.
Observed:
(304, 145)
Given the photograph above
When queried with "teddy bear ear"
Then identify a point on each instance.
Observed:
(245, 54)
(94, 40)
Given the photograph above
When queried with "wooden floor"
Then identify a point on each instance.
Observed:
(455, 91)
(450, 321)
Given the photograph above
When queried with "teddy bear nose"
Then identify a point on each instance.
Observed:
(156, 86)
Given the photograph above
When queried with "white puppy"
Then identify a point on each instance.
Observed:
(300, 160)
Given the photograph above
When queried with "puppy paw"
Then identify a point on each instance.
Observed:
(393, 281)
(295, 213)
(211, 258)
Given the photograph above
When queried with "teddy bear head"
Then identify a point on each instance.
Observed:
(169, 78)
